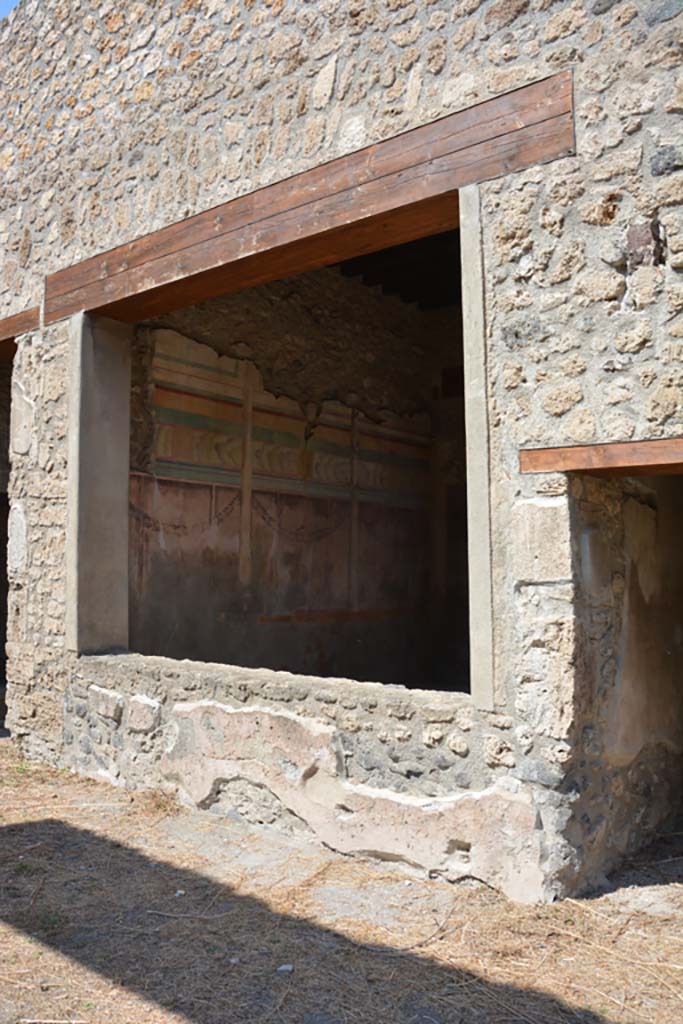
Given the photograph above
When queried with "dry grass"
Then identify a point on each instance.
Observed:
(92, 928)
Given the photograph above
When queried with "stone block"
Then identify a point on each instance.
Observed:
(666, 159)
(498, 752)
(144, 714)
(540, 540)
(545, 687)
(534, 770)
(665, 10)
(106, 703)
(562, 398)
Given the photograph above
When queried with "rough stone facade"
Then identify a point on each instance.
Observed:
(37, 665)
(119, 122)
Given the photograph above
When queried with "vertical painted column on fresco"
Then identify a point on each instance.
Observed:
(439, 519)
(246, 480)
(355, 513)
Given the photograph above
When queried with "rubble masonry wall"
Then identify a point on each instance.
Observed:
(121, 122)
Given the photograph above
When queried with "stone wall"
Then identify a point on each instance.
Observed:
(37, 662)
(5, 401)
(368, 768)
(120, 122)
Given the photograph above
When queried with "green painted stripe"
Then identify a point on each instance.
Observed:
(393, 500)
(303, 488)
(192, 419)
(270, 436)
(160, 357)
(287, 439)
(391, 459)
(266, 435)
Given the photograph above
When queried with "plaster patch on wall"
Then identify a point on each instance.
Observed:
(494, 835)
(21, 429)
(17, 541)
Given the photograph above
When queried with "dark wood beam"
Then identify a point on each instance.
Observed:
(418, 171)
(12, 326)
(624, 458)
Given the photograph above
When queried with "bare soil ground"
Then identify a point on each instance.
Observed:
(119, 908)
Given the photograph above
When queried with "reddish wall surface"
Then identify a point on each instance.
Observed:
(259, 539)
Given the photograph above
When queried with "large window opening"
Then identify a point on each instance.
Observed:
(7, 350)
(298, 477)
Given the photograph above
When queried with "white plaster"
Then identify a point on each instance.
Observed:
(21, 428)
(496, 832)
(17, 546)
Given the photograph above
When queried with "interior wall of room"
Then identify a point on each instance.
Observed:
(299, 531)
(648, 706)
(631, 570)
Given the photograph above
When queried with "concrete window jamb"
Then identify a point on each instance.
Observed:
(477, 451)
(97, 487)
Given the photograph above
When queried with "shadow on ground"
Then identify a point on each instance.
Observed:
(214, 955)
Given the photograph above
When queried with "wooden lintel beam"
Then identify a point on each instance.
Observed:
(12, 326)
(625, 458)
(327, 247)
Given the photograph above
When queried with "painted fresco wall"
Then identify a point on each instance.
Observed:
(262, 540)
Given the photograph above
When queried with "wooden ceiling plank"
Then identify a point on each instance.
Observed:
(20, 323)
(379, 196)
(622, 458)
(493, 118)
